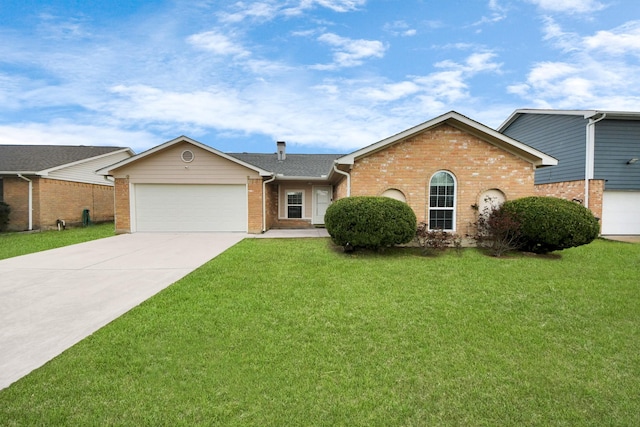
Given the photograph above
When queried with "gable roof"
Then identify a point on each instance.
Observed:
(41, 159)
(299, 166)
(586, 114)
(109, 169)
(465, 124)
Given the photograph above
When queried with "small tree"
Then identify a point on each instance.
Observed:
(433, 241)
(4, 215)
(550, 224)
(498, 231)
(370, 222)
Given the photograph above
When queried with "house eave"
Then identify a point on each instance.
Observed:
(108, 171)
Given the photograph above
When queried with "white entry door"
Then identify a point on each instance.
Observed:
(321, 201)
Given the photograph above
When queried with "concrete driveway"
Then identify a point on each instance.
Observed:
(51, 300)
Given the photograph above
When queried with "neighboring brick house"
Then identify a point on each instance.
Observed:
(45, 183)
(444, 169)
(598, 154)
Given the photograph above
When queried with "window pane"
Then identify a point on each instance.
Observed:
(441, 201)
(441, 219)
(294, 212)
(294, 198)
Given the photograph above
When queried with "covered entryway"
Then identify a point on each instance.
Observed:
(621, 212)
(189, 207)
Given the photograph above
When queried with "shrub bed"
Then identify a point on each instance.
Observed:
(370, 222)
(549, 224)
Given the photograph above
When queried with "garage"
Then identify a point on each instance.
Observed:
(621, 212)
(189, 207)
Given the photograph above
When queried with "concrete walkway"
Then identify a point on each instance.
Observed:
(53, 299)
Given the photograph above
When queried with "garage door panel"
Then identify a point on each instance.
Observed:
(160, 207)
(621, 212)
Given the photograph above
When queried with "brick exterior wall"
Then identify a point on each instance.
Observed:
(409, 165)
(55, 199)
(122, 209)
(16, 195)
(272, 204)
(574, 190)
(254, 193)
(66, 200)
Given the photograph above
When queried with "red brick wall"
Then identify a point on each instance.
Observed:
(574, 190)
(16, 195)
(122, 209)
(272, 204)
(66, 200)
(53, 200)
(409, 165)
(254, 193)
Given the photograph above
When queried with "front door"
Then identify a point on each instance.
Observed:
(321, 201)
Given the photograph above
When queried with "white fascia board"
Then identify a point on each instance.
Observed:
(516, 113)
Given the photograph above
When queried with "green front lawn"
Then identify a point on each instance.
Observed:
(15, 244)
(294, 332)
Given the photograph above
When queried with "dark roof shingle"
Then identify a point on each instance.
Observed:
(294, 165)
(34, 158)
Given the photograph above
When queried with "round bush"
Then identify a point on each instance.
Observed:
(370, 222)
(550, 224)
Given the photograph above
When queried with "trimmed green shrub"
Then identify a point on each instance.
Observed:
(4, 215)
(550, 224)
(370, 222)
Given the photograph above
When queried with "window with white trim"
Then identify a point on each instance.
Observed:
(294, 204)
(442, 201)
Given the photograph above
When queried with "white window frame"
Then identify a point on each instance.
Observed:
(286, 203)
(452, 209)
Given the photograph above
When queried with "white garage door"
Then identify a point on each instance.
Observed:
(621, 212)
(167, 207)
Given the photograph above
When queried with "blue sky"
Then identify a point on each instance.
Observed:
(323, 75)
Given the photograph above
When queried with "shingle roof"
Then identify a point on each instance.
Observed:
(294, 165)
(34, 158)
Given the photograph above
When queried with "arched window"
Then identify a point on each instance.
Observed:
(392, 193)
(442, 201)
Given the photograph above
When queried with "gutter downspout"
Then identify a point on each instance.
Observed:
(590, 156)
(30, 200)
(335, 168)
(264, 201)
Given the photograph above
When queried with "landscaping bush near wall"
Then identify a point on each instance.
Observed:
(4, 215)
(370, 222)
(549, 224)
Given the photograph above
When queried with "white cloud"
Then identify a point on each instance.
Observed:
(350, 52)
(256, 10)
(569, 6)
(268, 10)
(498, 13)
(618, 41)
(596, 72)
(400, 28)
(217, 43)
(63, 132)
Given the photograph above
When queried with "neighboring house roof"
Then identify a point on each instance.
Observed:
(108, 170)
(42, 159)
(299, 166)
(465, 124)
(586, 114)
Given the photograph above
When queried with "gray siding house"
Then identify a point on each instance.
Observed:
(598, 160)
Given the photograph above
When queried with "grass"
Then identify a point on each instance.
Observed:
(15, 244)
(293, 332)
